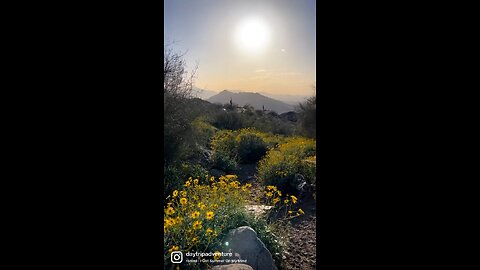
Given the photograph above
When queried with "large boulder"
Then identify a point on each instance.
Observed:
(244, 244)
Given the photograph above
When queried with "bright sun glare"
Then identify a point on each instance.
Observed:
(252, 35)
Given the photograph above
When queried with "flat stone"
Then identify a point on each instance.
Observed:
(258, 210)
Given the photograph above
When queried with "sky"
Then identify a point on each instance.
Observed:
(256, 46)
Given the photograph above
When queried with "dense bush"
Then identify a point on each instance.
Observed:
(225, 162)
(197, 145)
(307, 117)
(227, 120)
(245, 145)
(174, 174)
(177, 88)
(251, 147)
(286, 165)
(224, 149)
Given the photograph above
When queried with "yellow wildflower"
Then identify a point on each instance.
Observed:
(294, 199)
(210, 215)
(183, 201)
(170, 221)
(170, 211)
(286, 201)
(178, 220)
(269, 194)
(195, 214)
(183, 193)
(195, 181)
(194, 240)
(301, 211)
(174, 248)
(230, 176)
(187, 184)
(197, 225)
(175, 193)
(217, 255)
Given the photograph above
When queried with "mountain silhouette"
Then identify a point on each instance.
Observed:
(256, 100)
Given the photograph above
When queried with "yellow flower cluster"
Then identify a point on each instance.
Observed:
(196, 215)
(273, 197)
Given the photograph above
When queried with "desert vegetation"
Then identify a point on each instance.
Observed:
(219, 161)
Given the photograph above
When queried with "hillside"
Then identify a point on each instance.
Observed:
(256, 100)
(203, 93)
(288, 99)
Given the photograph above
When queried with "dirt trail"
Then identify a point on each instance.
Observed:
(300, 233)
(246, 174)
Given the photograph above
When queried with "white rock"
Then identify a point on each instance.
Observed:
(244, 243)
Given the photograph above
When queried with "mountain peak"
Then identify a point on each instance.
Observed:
(256, 100)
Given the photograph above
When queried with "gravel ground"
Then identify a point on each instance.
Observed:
(299, 234)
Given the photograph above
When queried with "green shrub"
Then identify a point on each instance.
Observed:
(197, 145)
(174, 174)
(244, 145)
(225, 163)
(283, 166)
(227, 120)
(224, 149)
(251, 147)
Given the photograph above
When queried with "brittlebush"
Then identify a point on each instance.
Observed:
(197, 216)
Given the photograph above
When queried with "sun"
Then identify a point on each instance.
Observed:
(252, 35)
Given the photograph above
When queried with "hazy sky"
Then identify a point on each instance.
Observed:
(258, 46)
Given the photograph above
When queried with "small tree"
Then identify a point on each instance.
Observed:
(177, 88)
(307, 116)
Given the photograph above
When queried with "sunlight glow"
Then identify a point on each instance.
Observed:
(252, 35)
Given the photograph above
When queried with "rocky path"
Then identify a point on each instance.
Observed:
(300, 248)
(299, 235)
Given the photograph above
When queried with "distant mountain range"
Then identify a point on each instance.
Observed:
(256, 100)
(289, 99)
(203, 93)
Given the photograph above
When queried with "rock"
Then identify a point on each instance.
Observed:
(206, 156)
(216, 173)
(236, 266)
(244, 243)
(257, 210)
